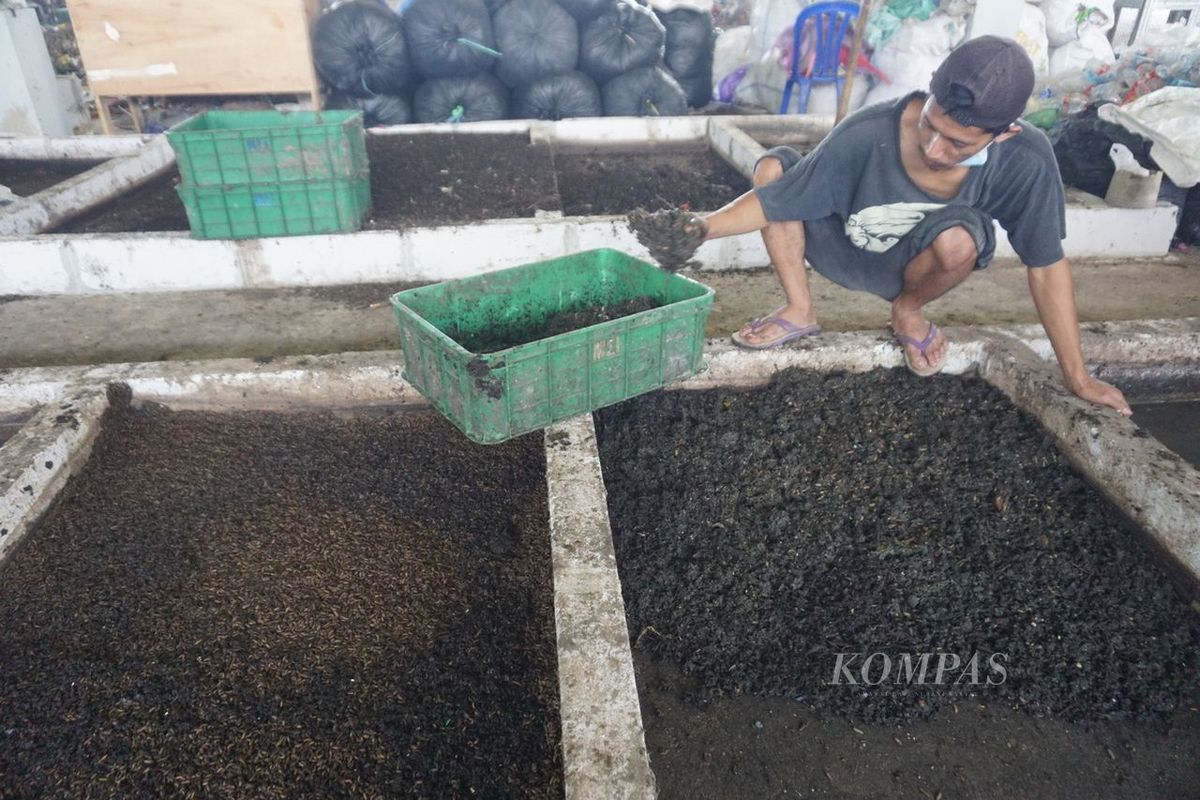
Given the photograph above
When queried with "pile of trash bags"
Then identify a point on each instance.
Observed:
(1167, 58)
(471, 60)
(905, 39)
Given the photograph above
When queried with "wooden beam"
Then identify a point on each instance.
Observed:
(181, 47)
(860, 29)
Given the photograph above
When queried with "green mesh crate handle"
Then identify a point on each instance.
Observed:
(495, 396)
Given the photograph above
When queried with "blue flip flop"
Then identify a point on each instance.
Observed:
(790, 333)
(922, 346)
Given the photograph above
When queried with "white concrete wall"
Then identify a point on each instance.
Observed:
(80, 148)
(162, 262)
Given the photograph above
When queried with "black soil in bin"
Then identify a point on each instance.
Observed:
(423, 180)
(30, 176)
(154, 206)
(762, 533)
(284, 605)
(433, 180)
(497, 338)
(612, 181)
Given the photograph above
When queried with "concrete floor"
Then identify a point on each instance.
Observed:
(67, 330)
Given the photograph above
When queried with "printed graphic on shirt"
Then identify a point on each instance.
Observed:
(877, 228)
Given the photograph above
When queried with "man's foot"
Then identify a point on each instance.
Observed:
(925, 347)
(775, 329)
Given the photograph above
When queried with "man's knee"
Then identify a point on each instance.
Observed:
(766, 170)
(955, 249)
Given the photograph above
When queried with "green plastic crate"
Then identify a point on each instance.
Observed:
(496, 396)
(221, 148)
(281, 209)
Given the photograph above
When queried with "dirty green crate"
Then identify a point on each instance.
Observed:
(221, 148)
(281, 209)
(496, 396)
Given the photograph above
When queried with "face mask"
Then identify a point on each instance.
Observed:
(977, 160)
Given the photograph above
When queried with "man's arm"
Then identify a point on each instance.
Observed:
(1053, 293)
(743, 215)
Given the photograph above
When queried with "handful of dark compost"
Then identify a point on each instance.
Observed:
(671, 235)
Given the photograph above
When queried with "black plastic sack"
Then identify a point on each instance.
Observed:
(537, 39)
(698, 90)
(445, 37)
(644, 92)
(360, 49)
(382, 109)
(571, 94)
(1188, 231)
(691, 38)
(459, 99)
(625, 38)
(583, 10)
(1082, 151)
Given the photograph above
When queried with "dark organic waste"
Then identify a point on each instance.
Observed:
(279, 605)
(613, 181)
(24, 177)
(425, 179)
(761, 533)
(436, 179)
(502, 337)
(671, 235)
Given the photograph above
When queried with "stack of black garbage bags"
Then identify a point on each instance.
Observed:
(471, 60)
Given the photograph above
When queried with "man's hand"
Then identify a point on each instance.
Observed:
(1053, 293)
(1101, 393)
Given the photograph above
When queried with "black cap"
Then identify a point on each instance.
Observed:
(984, 83)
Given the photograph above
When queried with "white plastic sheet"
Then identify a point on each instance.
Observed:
(1169, 117)
(1092, 47)
(732, 50)
(1032, 36)
(910, 57)
(1066, 20)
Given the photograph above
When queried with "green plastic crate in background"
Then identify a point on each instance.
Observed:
(496, 396)
(219, 148)
(281, 209)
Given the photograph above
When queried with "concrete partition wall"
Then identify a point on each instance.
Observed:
(75, 148)
(70, 198)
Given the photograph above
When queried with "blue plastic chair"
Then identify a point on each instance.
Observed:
(830, 22)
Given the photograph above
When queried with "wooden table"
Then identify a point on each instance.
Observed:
(182, 47)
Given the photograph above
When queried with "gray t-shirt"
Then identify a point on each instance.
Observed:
(856, 174)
